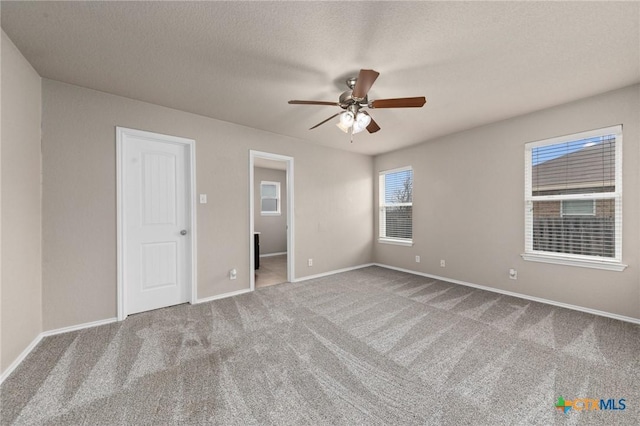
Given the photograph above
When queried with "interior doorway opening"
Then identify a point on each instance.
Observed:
(271, 227)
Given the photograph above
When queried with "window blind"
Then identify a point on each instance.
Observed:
(573, 195)
(396, 204)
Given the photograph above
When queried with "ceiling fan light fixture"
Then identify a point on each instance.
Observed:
(363, 119)
(357, 127)
(361, 122)
(347, 118)
(343, 127)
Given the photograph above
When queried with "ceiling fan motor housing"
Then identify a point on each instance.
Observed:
(346, 99)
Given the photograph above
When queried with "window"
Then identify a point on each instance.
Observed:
(396, 206)
(578, 207)
(573, 199)
(270, 198)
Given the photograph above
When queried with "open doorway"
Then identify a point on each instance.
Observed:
(271, 218)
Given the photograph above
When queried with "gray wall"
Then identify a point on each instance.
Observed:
(21, 285)
(469, 206)
(273, 229)
(79, 199)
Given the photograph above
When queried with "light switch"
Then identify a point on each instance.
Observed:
(203, 198)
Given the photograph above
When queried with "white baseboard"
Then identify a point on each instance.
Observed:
(223, 296)
(309, 277)
(519, 295)
(44, 334)
(78, 327)
(273, 254)
(6, 373)
(336, 271)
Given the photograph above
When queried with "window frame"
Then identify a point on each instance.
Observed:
(614, 263)
(277, 198)
(382, 205)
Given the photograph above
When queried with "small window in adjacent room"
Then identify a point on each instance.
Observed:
(573, 199)
(396, 206)
(270, 198)
(578, 207)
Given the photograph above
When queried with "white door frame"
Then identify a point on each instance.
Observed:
(290, 209)
(192, 257)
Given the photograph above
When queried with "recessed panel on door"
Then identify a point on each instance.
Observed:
(159, 266)
(159, 188)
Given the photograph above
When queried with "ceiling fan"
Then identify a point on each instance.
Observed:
(353, 119)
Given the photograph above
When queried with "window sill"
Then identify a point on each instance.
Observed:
(270, 214)
(406, 243)
(571, 261)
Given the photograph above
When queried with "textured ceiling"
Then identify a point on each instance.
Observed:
(476, 62)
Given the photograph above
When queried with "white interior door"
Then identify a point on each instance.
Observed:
(155, 221)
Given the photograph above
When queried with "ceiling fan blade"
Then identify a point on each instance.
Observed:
(398, 103)
(322, 122)
(366, 78)
(295, 102)
(373, 126)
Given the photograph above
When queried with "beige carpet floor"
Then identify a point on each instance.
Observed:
(367, 347)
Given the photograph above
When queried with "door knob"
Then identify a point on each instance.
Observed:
(183, 232)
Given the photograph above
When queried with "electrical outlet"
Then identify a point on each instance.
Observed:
(513, 274)
(203, 198)
(233, 274)
(417, 259)
(310, 262)
(442, 263)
